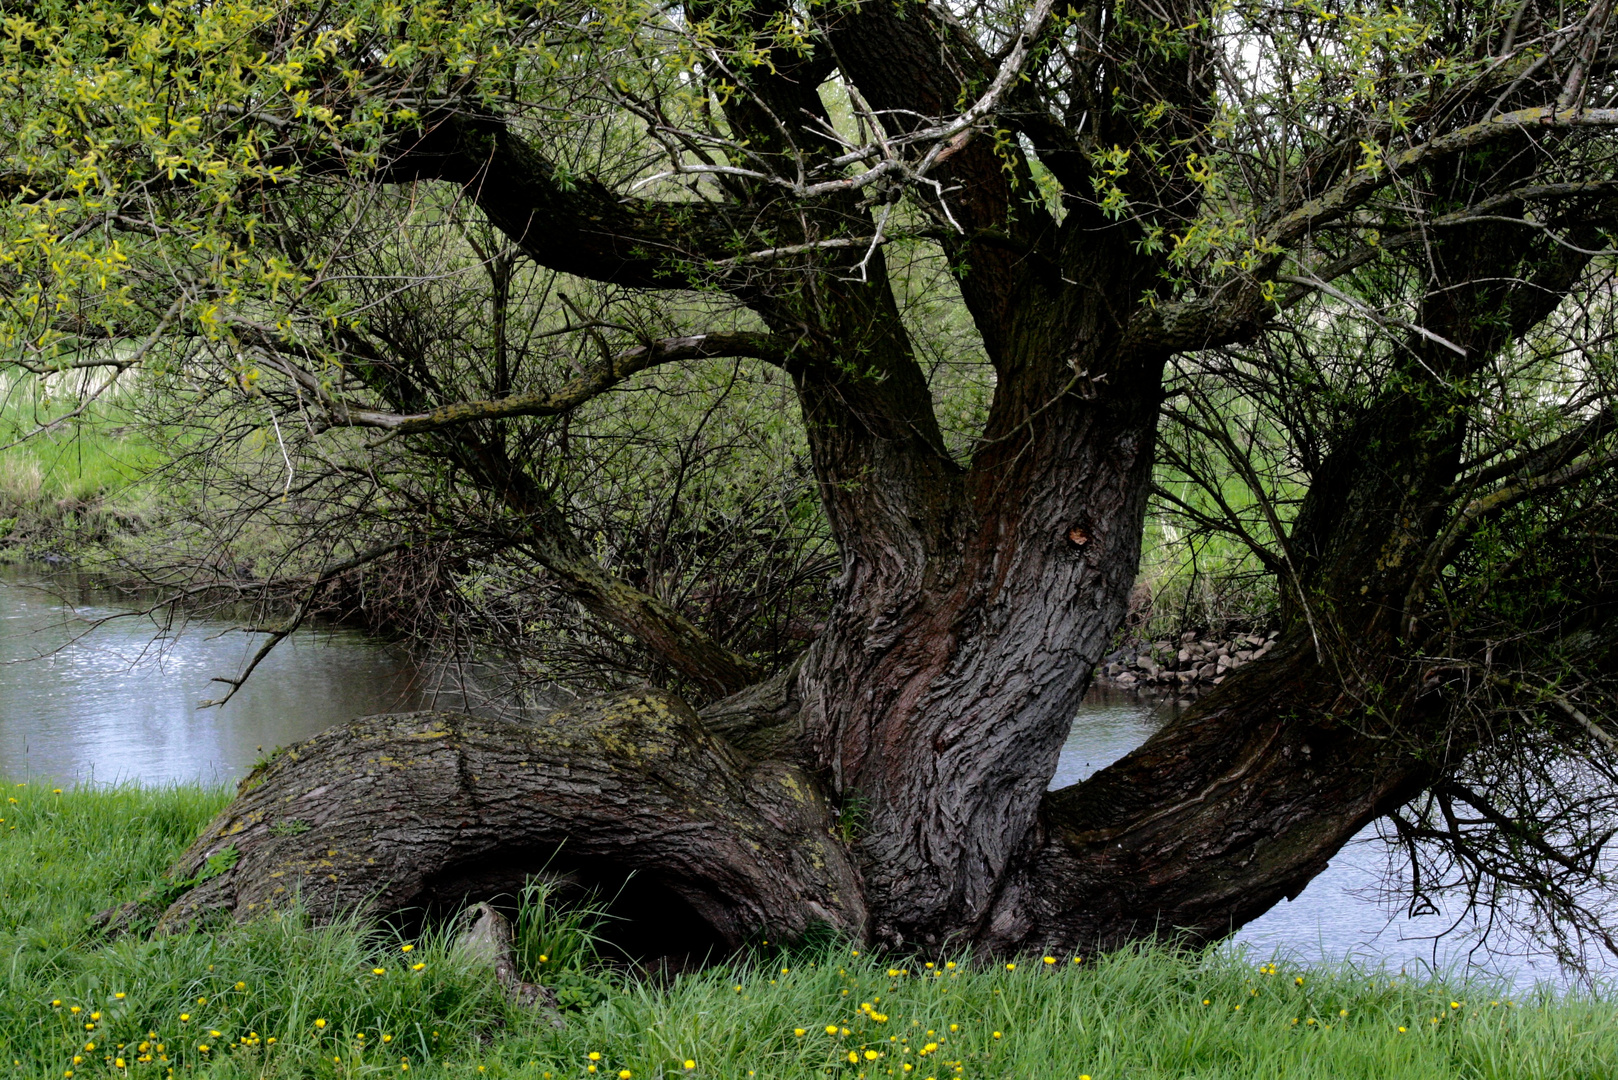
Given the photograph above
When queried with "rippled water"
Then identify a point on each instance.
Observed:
(120, 703)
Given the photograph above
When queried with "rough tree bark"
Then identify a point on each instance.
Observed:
(891, 784)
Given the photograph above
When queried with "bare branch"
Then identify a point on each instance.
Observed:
(771, 348)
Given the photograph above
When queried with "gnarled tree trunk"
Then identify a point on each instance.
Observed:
(891, 784)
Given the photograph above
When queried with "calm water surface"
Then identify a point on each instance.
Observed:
(121, 703)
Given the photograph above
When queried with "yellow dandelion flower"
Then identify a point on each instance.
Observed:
(74, 1009)
(320, 1023)
(799, 1032)
(831, 1029)
(406, 948)
(1342, 1012)
(1455, 1004)
(997, 1034)
(871, 1055)
(1298, 981)
(379, 971)
(387, 1038)
(185, 1018)
(1050, 959)
(119, 996)
(595, 1055)
(417, 967)
(241, 986)
(689, 1064)
(1401, 1030)
(1011, 967)
(624, 1074)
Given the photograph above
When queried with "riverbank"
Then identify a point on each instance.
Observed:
(71, 484)
(277, 998)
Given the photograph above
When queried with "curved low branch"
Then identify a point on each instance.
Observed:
(1258, 779)
(425, 812)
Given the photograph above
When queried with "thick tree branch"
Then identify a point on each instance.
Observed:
(576, 224)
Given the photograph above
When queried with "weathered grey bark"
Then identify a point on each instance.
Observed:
(425, 812)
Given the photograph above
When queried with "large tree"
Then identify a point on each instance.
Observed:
(1384, 232)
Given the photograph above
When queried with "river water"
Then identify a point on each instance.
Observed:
(120, 703)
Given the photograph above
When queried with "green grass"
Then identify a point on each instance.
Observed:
(1141, 1014)
(75, 484)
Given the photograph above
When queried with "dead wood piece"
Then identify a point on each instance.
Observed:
(488, 938)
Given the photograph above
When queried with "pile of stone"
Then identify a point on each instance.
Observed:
(1195, 663)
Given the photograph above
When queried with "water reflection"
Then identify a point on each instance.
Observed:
(120, 701)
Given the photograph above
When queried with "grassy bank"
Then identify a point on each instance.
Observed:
(74, 481)
(278, 998)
